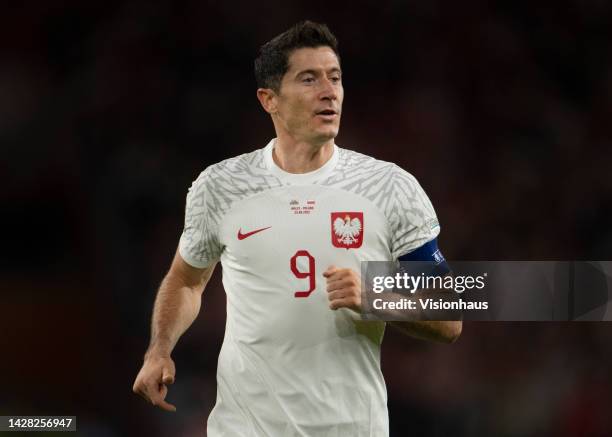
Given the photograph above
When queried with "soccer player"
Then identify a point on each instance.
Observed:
(291, 223)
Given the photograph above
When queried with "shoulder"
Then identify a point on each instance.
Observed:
(222, 184)
(240, 170)
(245, 164)
(355, 162)
(357, 169)
(350, 160)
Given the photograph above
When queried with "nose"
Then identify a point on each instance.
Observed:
(329, 90)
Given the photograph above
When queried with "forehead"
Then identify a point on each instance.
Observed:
(308, 58)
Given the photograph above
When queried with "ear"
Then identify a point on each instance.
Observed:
(268, 99)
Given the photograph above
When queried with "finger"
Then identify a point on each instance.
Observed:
(336, 295)
(338, 276)
(348, 281)
(144, 392)
(139, 383)
(151, 390)
(342, 283)
(335, 276)
(346, 302)
(158, 399)
(167, 406)
(168, 375)
(140, 390)
(343, 296)
(330, 271)
(164, 405)
(136, 387)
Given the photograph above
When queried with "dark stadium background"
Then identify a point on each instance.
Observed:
(108, 111)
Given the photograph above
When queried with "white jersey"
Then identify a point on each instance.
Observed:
(290, 366)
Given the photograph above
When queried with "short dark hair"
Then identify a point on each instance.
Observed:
(273, 60)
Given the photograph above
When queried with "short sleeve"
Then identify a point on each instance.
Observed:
(411, 216)
(199, 244)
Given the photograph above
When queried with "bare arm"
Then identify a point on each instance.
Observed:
(344, 291)
(176, 306)
(445, 332)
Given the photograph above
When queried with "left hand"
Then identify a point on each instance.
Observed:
(343, 288)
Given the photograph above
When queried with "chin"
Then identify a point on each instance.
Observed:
(326, 135)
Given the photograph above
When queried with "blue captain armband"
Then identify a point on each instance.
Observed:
(430, 254)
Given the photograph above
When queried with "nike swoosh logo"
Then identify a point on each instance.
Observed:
(242, 236)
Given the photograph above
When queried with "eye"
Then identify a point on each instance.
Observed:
(308, 80)
(335, 79)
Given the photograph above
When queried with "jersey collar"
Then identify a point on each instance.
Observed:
(312, 177)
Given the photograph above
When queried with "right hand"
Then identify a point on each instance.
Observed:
(151, 383)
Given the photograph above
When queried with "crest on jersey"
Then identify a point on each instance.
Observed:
(347, 229)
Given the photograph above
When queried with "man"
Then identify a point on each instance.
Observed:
(291, 224)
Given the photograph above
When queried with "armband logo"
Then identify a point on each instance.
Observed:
(438, 257)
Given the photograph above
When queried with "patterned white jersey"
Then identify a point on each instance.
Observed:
(290, 366)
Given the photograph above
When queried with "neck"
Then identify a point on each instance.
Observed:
(295, 156)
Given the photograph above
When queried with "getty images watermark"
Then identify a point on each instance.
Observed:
(430, 290)
(492, 290)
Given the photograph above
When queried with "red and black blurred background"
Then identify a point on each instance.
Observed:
(109, 109)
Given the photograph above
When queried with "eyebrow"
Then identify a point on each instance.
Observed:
(314, 72)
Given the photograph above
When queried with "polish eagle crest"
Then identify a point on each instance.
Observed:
(347, 229)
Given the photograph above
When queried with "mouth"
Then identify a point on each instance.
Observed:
(327, 114)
